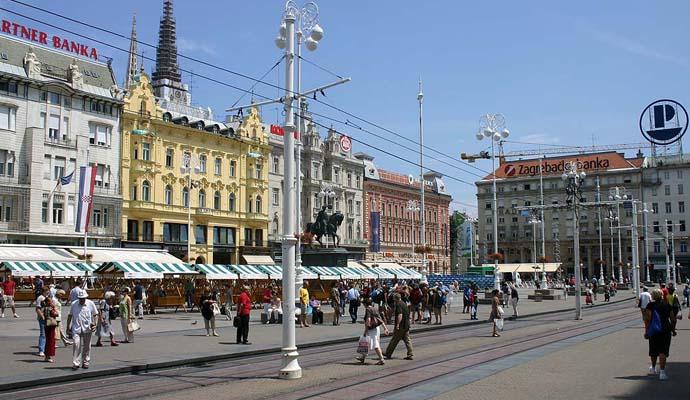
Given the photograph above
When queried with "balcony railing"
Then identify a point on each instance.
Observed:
(57, 141)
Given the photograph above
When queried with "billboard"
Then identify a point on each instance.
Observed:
(466, 236)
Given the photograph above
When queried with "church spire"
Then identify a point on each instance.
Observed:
(166, 54)
(132, 65)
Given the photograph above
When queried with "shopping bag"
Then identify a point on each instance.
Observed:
(500, 312)
(363, 345)
(133, 326)
(216, 309)
(499, 323)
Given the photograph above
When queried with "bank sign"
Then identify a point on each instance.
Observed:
(42, 38)
(587, 163)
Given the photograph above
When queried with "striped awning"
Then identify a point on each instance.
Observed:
(174, 268)
(65, 269)
(364, 272)
(347, 273)
(383, 273)
(215, 271)
(248, 271)
(131, 270)
(324, 273)
(274, 271)
(404, 273)
(25, 268)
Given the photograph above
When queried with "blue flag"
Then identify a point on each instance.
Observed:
(65, 180)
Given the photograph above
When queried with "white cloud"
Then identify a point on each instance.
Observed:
(539, 138)
(187, 45)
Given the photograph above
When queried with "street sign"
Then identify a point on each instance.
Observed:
(345, 143)
(664, 122)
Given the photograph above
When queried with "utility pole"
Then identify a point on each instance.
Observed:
(601, 245)
(422, 220)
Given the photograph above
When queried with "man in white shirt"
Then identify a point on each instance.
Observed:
(353, 299)
(644, 299)
(82, 322)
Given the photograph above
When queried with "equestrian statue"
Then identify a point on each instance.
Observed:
(325, 225)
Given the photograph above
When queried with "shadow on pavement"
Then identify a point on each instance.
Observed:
(652, 388)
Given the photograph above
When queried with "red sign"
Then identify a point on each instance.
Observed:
(557, 166)
(345, 143)
(509, 170)
(34, 35)
(279, 131)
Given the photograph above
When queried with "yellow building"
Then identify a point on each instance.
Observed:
(229, 181)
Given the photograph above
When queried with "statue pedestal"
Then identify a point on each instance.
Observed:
(330, 257)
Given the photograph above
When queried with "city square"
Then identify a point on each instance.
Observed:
(268, 200)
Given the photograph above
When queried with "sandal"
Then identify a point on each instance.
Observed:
(381, 362)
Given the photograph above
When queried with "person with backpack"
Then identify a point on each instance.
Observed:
(657, 317)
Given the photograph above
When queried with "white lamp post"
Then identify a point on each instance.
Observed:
(534, 221)
(574, 181)
(493, 127)
(648, 267)
(617, 196)
(413, 207)
(186, 168)
(422, 184)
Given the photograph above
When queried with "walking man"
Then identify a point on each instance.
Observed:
(335, 303)
(139, 300)
(8, 287)
(244, 306)
(514, 297)
(82, 321)
(353, 298)
(401, 328)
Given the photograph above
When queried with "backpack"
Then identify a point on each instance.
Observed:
(654, 327)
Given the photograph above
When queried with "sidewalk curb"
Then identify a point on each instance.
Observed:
(139, 368)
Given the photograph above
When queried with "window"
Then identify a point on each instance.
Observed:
(668, 207)
(655, 226)
(200, 234)
(53, 98)
(218, 166)
(681, 224)
(248, 237)
(358, 208)
(349, 179)
(223, 236)
(666, 175)
(526, 186)
(231, 202)
(681, 206)
(259, 207)
(65, 128)
(683, 247)
(132, 229)
(147, 231)
(336, 175)
(351, 210)
(54, 127)
(169, 157)
(7, 163)
(667, 190)
(59, 168)
(487, 206)
(96, 217)
(233, 165)
(185, 197)
(357, 181)
(100, 171)
(175, 233)
(216, 200)
(259, 237)
(655, 208)
(259, 170)
(202, 163)
(134, 192)
(202, 198)
(657, 247)
(8, 117)
(146, 151)
(10, 87)
(42, 120)
(146, 191)
(679, 174)
(276, 165)
(669, 226)
(654, 191)
(58, 211)
(168, 195)
(680, 188)
(315, 171)
(275, 196)
(44, 212)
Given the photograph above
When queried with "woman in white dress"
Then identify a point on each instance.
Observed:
(372, 330)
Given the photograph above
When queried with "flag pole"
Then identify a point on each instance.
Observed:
(86, 227)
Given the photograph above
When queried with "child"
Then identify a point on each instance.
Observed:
(588, 297)
(607, 293)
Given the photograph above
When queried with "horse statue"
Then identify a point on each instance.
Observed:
(325, 225)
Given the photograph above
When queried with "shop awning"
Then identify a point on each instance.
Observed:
(324, 273)
(248, 271)
(400, 272)
(364, 272)
(215, 271)
(174, 268)
(29, 253)
(307, 274)
(131, 270)
(107, 254)
(258, 260)
(347, 273)
(65, 269)
(273, 271)
(25, 268)
(382, 273)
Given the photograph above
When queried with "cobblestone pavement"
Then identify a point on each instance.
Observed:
(447, 364)
(175, 337)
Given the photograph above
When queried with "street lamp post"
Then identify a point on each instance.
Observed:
(574, 181)
(601, 244)
(617, 196)
(534, 221)
(674, 273)
(493, 127)
(612, 217)
(186, 168)
(648, 267)
(413, 207)
(422, 218)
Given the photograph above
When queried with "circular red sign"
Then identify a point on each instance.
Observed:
(345, 143)
(509, 170)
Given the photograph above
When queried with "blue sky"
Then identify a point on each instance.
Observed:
(566, 73)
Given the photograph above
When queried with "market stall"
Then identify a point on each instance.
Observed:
(323, 273)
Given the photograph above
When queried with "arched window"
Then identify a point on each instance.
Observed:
(202, 198)
(146, 191)
(185, 196)
(249, 205)
(359, 231)
(231, 202)
(168, 195)
(349, 231)
(202, 163)
(259, 208)
(216, 200)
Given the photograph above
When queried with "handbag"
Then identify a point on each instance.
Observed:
(363, 345)
(499, 323)
(133, 326)
(216, 309)
(236, 321)
(50, 321)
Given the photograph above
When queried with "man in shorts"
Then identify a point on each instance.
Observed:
(303, 304)
(8, 288)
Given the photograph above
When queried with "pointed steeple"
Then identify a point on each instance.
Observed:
(167, 81)
(132, 65)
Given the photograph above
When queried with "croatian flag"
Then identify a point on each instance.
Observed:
(87, 181)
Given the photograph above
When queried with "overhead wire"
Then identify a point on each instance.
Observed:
(256, 83)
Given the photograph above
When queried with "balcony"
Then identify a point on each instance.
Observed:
(62, 142)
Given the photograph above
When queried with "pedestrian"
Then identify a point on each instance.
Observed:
(426, 304)
(607, 293)
(276, 315)
(266, 297)
(335, 304)
(437, 305)
(208, 306)
(82, 323)
(60, 330)
(401, 330)
(657, 318)
(372, 330)
(496, 316)
(343, 297)
(514, 298)
(353, 299)
(416, 304)
(686, 296)
(38, 287)
(588, 296)
(49, 314)
(228, 301)
(316, 313)
(104, 327)
(244, 306)
(8, 289)
(466, 303)
(139, 293)
(126, 315)
(594, 288)
(189, 294)
(474, 300)
(673, 301)
(303, 304)
(40, 300)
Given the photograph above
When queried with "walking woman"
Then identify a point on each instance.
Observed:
(372, 330)
(657, 317)
(126, 315)
(495, 313)
(207, 304)
(104, 327)
(50, 314)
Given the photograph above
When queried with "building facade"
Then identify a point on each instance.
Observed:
(325, 163)
(225, 196)
(58, 110)
(518, 185)
(399, 230)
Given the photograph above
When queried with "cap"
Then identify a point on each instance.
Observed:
(83, 294)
